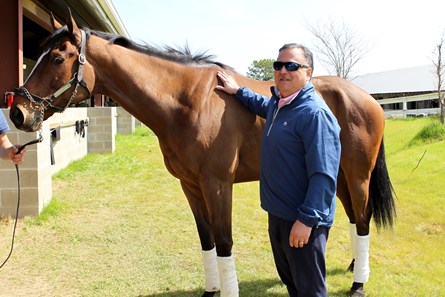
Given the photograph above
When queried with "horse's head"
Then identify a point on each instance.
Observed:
(60, 77)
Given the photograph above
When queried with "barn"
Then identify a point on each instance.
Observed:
(88, 129)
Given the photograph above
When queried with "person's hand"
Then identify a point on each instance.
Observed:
(299, 235)
(229, 84)
(17, 159)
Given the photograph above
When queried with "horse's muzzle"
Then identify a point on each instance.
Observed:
(16, 117)
(23, 120)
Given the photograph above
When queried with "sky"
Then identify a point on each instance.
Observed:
(398, 33)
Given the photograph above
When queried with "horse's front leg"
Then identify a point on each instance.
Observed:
(202, 219)
(218, 196)
(212, 209)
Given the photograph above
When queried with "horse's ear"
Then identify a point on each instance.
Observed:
(72, 26)
(55, 24)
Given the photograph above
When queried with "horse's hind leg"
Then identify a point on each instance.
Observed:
(345, 198)
(359, 191)
(353, 191)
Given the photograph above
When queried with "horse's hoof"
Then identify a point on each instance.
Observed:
(208, 294)
(357, 290)
(351, 266)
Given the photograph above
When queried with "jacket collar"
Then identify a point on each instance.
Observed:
(276, 93)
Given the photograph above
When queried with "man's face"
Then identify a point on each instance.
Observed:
(289, 82)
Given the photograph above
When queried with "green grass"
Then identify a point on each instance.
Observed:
(53, 209)
(119, 225)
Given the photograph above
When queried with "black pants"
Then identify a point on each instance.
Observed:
(302, 270)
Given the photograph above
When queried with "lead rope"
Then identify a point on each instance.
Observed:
(40, 139)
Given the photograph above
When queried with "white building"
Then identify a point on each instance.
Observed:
(403, 92)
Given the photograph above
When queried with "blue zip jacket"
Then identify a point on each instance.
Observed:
(300, 156)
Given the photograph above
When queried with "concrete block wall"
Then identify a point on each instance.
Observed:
(126, 123)
(102, 129)
(72, 145)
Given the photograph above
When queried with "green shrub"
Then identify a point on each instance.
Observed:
(432, 132)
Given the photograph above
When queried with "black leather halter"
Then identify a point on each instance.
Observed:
(77, 80)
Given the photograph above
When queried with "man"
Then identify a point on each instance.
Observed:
(300, 157)
(7, 150)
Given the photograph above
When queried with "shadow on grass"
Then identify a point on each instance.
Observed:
(253, 288)
(257, 288)
(338, 271)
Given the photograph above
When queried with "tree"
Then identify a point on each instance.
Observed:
(439, 71)
(261, 69)
(339, 46)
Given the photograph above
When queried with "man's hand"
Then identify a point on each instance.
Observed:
(17, 159)
(299, 235)
(229, 84)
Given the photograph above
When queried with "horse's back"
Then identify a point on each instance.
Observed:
(345, 99)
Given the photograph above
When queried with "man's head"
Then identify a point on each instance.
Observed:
(293, 68)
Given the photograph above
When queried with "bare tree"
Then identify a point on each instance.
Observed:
(439, 71)
(340, 47)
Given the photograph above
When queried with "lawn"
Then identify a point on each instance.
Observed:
(119, 225)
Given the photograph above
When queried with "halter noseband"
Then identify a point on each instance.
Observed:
(77, 80)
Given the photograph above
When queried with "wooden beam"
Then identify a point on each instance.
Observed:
(36, 12)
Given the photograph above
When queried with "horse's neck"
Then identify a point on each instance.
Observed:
(148, 87)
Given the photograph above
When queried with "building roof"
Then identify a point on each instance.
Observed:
(94, 14)
(414, 79)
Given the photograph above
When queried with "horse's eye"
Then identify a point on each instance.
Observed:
(57, 60)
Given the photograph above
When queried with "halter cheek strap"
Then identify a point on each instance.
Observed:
(77, 80)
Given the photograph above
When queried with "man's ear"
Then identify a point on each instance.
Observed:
(309, 73)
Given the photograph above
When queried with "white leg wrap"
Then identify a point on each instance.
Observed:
(361, 265)
(352, 236)
(227, 273)
(211, 273)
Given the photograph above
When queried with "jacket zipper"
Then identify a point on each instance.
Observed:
(273, 119)
(276, 113)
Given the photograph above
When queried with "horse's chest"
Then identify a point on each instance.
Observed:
(180, 164)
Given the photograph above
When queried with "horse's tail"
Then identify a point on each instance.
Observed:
(381, 193)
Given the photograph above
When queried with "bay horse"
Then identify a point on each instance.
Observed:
(208, 140)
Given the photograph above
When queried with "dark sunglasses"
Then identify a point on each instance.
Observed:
(290, 66)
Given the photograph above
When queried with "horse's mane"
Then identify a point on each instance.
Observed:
(183, 56)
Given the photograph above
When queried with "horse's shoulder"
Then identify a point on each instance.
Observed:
(258, 86)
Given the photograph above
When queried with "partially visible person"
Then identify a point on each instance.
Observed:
(7, 149)
(300, 159)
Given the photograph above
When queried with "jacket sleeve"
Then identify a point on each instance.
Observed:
(322, 146)
(255, 102)
(4, 127)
